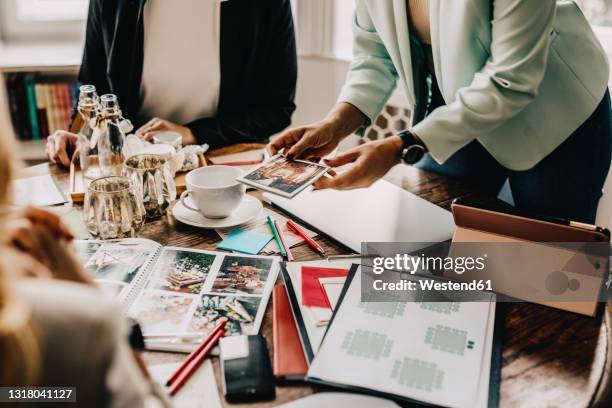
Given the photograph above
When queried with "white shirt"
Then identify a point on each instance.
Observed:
(181, 72)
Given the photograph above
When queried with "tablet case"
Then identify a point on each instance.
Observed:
(494, 224)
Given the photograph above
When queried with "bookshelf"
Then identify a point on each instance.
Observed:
(51, 62)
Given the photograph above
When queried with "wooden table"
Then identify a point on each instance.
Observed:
(548, 355)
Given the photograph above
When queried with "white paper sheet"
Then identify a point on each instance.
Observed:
(315, 333)
(333, 289)
(200, 390)
(432, 352)
(37, 191)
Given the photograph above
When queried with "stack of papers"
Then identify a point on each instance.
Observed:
(314, 295)
(313, 332)
(244, 241)
(37, 191)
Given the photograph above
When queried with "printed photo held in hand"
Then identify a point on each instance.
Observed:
(284, 177)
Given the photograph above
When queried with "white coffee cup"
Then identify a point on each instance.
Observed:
(214, 191)
(173, 139)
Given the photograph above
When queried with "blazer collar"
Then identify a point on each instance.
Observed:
(434, 19)
(403, 40)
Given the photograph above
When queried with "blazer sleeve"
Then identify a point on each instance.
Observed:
(276, 92)
(372, 76)
(93, 64)
(506, 84)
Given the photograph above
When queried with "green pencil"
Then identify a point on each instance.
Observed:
(276, 236)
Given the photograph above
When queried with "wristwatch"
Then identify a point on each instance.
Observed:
(414, 149)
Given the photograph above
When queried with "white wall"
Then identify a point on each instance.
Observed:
(319, 83)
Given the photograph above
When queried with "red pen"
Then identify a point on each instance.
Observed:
(193, 365)
(195, 358)
(297, 230)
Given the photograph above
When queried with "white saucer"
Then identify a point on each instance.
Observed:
(249, 208)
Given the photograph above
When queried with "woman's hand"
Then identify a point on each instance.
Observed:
(37, 217)
(370, 162)
(157, 125)
(42, 236)
(58, 146)
(306, 142)
(319, 139)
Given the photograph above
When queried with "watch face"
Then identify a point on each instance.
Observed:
(413, 154)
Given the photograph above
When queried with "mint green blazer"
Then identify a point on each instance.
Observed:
(520, 83)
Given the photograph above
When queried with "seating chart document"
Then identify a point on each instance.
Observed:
(431, 351)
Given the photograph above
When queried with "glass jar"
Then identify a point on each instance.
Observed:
(87, 112)
(110, 131)
(112, 208)
(153, 182)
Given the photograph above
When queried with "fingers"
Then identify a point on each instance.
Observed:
(49, 220)
(57, 147)
(50, 149)
(149, 135)
(148, 130)
(285, 140)
(303, 144)
(343, 158)
(24, 237)
(61, 156)
(355, 177)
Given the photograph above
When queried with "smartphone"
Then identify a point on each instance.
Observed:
(246, 369)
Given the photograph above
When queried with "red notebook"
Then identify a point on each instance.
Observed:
(289, 360)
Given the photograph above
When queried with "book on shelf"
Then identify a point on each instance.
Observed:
(39, 105)
(17, 97)
(32, 113)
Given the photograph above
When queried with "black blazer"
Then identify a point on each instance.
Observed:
(258, 66)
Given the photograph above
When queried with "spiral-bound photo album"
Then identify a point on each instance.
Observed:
(178, 295)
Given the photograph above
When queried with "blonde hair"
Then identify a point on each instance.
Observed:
(19, 351)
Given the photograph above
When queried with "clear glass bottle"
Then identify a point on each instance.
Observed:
(83, 126)
(111, 139)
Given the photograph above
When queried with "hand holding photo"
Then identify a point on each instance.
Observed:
(284, 177)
